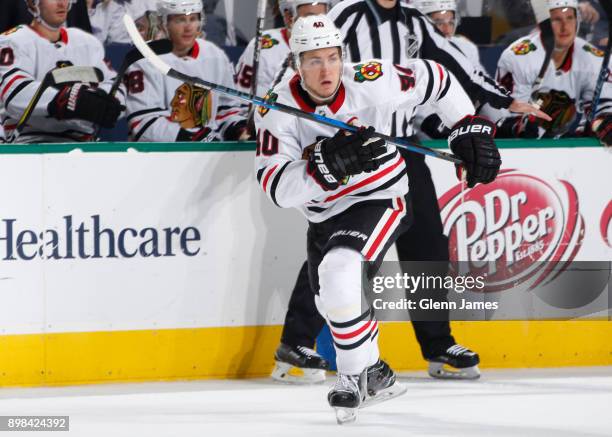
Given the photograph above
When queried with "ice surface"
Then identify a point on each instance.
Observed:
(554, 402)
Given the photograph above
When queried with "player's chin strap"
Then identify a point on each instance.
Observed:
(35, 11)
(47, 25)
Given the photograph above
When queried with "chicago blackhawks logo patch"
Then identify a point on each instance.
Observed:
(368, 72)
(267, 42)
(269, 98)
(191, 106)
(524, 47)
(593, 50)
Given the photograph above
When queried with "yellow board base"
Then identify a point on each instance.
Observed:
(181, 354)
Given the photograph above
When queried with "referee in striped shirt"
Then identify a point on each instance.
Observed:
(389, 29)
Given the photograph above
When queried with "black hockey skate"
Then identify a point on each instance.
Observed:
(346, 396)
(456, 362)
(382, 384)
(299, 365)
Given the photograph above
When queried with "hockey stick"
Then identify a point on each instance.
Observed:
(158, 63)
(56, 77)
(159, 47)
(261, 16)
(540, 8)
(604, 71)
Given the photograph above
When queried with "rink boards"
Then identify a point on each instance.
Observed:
(168, 262)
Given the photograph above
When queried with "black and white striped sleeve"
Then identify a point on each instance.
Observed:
(479, 86)
(399, 35)
(425, 82)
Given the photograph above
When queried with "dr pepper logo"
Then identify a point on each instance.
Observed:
(508, 229)
(605, 224)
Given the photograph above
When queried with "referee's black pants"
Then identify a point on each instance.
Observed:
(423, 241)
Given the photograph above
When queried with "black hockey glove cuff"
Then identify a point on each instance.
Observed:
(239, 131)
(602, 126)
(79, 101)
(334, 159)
(472, 140)
(433, 127)
(518, 127)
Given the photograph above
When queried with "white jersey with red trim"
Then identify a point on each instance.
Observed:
(370, 92)
(25, 59)
(151, 93)
(575, 79)
(274, 52)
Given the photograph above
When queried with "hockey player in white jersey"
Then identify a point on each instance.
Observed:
(445, 17)
(161, 108)
(106, 19)
(27, 53)
(274, 63)
(567, 88)
(352, 187)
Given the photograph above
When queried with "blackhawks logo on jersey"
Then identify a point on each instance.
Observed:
(191, 106)
(269, 98)
(368, 72)
(593, 50)
(524, 47)
(267, 42)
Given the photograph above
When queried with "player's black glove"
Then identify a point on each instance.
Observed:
(433, 127)
(79, 101)
(239, 131)
(333, 159)
(472, 140)
(518, 127)
(602, 126)
(199, 135)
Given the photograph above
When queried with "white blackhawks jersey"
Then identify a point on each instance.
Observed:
(575, 79)
(152, 96)
(25, 59)
(370, 92)
(274, 52)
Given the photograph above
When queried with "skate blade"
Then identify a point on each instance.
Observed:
(284, 372)
(387, 394)
(345, 415)
(444, 371)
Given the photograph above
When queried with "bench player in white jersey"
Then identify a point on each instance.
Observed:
(567, 89)
(27, 53)
(273, 58)
(352, 187)
(445, 17)
(161, 108)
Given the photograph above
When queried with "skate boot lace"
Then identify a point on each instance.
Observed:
(347, 383)
(308, 351)
(457, 350)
